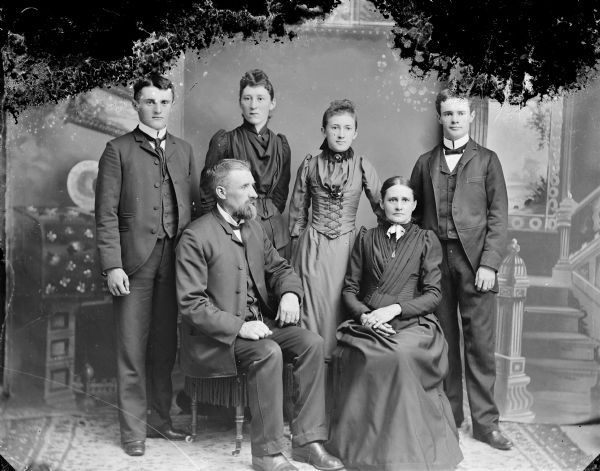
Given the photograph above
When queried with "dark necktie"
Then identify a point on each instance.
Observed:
(161, 153)
(158, 147)
(457, 150)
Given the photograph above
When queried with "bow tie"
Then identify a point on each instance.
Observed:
(395, 229)
(457, 150)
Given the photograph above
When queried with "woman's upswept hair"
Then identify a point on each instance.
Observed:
(256, 78)
(336, 107)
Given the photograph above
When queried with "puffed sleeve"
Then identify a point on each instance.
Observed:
(353, 278)
(218, 149)
(372, 186)
(301, 198)
(282, 186)
(429, 280)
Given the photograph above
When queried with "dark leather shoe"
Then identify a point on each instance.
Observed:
(167, 432)
(495, 439)
(315, 453)
(135, 448)
(276, 462)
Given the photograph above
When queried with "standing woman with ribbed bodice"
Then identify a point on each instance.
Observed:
(332, 182)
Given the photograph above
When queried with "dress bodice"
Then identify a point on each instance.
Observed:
(333, 210)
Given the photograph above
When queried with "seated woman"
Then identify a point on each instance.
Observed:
(391, 412)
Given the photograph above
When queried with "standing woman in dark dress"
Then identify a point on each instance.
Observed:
(391, 412)
(267, 153)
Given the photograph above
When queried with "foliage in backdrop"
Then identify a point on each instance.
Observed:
(52, 50)
(509, 51)
(501, 49)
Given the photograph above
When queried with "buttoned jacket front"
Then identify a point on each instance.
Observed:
(128, 197)
(479, 206)
(212, 270)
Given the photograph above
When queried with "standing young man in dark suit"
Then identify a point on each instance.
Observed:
(462, 197)
(228, 272)
(143, 202)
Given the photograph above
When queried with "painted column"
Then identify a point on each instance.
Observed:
(513, 399)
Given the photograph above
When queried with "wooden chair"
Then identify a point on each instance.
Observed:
(232, 391)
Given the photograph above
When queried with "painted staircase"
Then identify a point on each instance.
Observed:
(561, 358)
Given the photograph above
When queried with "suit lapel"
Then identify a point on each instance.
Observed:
(434, 173)
(469, 153)
(254, 249)
(225, 225)
(142, 140)
(170, 146)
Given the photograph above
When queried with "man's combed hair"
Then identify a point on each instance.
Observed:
(336, 107)
(218, 173)
(153, 80)
(448, 93)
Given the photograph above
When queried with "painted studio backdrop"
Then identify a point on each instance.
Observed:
(59, 338)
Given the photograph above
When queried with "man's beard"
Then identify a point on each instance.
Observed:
(246, 212)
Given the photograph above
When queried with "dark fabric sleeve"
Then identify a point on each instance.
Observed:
(218, 149)
(497, 215)
(372, 187)
(282, 186)
(108, 191)
(193, 300)
(353, 278)
(301, 199)
(195, 185)
(429, 280)
(416, 183)
(279, 274)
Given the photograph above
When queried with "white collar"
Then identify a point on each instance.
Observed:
(459, 142)
(396, 229)
(228, 217)
(152, 132)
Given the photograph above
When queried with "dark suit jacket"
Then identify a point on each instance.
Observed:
(480, 205)
(128, 197)
(212, 287)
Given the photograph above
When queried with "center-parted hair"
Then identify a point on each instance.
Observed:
(392, 181)
(336, 107)
(153, 80)
(256, 78)
(217, 174)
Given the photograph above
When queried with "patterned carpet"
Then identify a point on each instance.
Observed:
(90, 442)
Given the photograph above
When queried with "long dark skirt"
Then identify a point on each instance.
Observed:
(390, 411)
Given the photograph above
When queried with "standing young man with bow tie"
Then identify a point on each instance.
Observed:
(144, 189)
(462, 197)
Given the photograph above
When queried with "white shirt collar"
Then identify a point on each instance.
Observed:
(152, 132)
(454, 144)
(228, 217)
